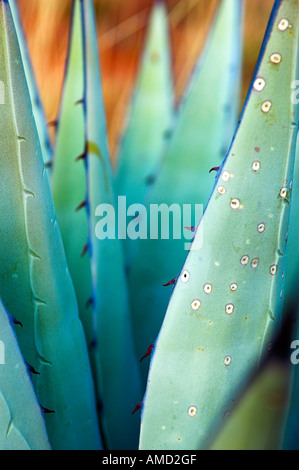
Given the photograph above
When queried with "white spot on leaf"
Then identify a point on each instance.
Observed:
(192, 411)
(255, 263)
(221, 190)
(256, 166)
(226, 176)
(207, 288)
(261, 228)
(283, 24)
(244, 260)
(185, 276)
(229, 309)
(235, 204)
(273, 270)
(275, 58)
(228, 361)
(259, 84)
(266, 106)
(195, 304)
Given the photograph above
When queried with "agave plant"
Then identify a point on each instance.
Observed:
(79, 308)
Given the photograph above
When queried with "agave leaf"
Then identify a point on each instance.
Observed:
(22, 425)
(118, 377)
(291, 441)
(290, 438)
(292, 268)
(205, 126)
(69, 174)
(35, 283)
(227, 303)
(258, 421)
(37, 107)
(150, 115)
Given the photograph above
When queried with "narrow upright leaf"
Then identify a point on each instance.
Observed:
(291, 438)
(69, 174)
(292, 268)
(37, 107)
(118, 374)
(150, 114)
(35, 284)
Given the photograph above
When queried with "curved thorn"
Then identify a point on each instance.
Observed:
(16, 322)
(83, 204)
(32, 370)
(215, 168)
(148, 352)
(84, 251)
(83, 156)
(170, 283)
(138, 407)
(45, 410)
(82, 101)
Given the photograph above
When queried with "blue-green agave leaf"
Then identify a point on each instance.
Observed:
(69, 174)
(118, 373)
(227, 303)
(291, 440)
(150, 115)
(22, 425)
(258, 421)
(292, 268)
(35, 284)
(37, 107)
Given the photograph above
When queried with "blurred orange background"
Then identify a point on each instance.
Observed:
(121, 29)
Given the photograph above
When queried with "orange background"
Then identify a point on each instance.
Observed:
(121, 29)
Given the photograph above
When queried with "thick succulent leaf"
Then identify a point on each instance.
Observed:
(35, 283)
(292, 268)
(205, 126)
(258, 421)
(118, 374)
(22, 425)
(37, 107)
(69, 174)
(227, 303)
(291, 440)
(150, 115)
